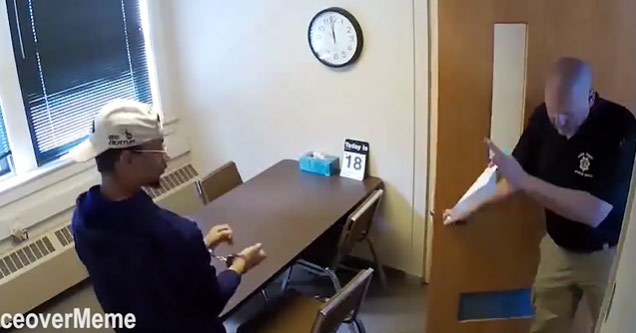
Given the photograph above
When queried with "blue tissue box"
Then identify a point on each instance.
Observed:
(321, 164)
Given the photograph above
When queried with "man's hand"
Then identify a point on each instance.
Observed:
(248, 258)
(452, 217)
(217, 235)
(508, 167)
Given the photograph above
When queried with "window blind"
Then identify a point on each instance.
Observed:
(5, 151)
(74, 56)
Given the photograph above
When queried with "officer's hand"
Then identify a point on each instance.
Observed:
(507, 166)
(452, 217)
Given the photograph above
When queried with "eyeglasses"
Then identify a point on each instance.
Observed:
(150, 151)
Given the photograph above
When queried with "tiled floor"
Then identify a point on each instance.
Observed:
(398, 309)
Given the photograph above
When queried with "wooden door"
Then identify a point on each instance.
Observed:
(497, 250)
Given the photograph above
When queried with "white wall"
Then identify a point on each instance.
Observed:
(254, 93)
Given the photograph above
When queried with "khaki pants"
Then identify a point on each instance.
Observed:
(562, 279)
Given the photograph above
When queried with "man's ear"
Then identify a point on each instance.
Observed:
(126, 157)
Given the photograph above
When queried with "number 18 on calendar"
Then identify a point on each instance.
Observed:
(354, 159)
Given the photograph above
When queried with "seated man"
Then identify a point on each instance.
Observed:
(143, 259)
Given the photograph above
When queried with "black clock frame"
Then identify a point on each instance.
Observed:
(356, 28)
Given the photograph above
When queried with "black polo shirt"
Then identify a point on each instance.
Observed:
(598, 159)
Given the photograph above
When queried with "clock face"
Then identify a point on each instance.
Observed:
(335, 37)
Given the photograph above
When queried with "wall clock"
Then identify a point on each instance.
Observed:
(335, 37)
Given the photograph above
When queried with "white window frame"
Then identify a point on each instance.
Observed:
(11, 102)
(25, 169)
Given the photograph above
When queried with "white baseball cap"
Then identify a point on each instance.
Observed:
(120, 124)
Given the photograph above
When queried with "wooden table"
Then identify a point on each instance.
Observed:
(285, 210)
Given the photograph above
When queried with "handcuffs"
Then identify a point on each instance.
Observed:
(229, 260)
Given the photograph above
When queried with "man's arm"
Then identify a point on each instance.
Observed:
(502, 191)
(525, 153)
(575, 205)
(209, 291)
(206, 288)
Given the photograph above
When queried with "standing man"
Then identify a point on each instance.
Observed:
(575, 159)
(143, 259)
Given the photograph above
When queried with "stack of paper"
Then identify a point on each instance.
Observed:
(484, 186)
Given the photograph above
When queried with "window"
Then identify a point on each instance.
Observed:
(5, 152)
(72, 57)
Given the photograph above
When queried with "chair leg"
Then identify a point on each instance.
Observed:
(378, 264)
(334, 279)
(359, 325)
(264, 295)
(286, 278)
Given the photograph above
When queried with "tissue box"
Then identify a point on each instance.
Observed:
(317, 163)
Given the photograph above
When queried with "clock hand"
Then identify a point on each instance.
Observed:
(333, 32)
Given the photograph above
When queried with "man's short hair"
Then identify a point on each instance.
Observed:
(106, 161)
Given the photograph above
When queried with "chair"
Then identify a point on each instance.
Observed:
(296, 313)
(219, 182)
(184, 201)
(356, 229)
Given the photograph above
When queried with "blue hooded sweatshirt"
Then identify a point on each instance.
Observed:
(150, 262)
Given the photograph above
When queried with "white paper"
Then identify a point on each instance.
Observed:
(484, 186)
(354, 165)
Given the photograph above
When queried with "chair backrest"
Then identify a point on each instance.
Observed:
(359, 222)
(344, 305)
(184, 201)
(220, 181)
